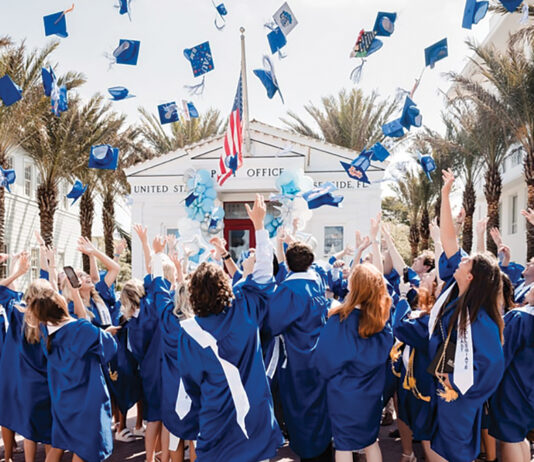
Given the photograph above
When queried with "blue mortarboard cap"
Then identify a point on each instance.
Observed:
(436, 52)
(56, 24)
(104, 157)
(221, 9)
(428, 164)
(77, 191)
(322, 195)
(48, 78)
(366, 44)
(268, 78)
(10, 92)
(357, 168)
(232, 162)
(385, 24)
(124, 6)
(127, 52)
(193, 113)
(511, 5)
(59, 99)
(168, 113)
(118, 93)
(474, 12)
(393, 129)
(411, 115)
(200, 58)
(7, 177)
(192, 197)
(380, 153)
(277, 40)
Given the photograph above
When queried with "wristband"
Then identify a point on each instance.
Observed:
(116, 254)
(226, 257)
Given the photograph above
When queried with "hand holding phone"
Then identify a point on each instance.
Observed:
(72, 277)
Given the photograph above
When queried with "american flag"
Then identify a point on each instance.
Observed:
(232, 158)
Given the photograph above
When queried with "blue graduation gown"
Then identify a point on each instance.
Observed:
(355, 371)
(122, 374)
(186, 428)
(225, 416)
(297, 312)
(511, 410)
(414, 412)
(81, 408)
(24, 395)
(144, 334)
(108, 297)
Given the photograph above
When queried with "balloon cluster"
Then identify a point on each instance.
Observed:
(290, 183)
(213, 223)
(272, 224)
(200, 200)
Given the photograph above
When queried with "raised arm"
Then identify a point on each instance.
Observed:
(438, 249)
(481, 234)
(49, 254)
(118, 249)
(375, 243)
(79, 307)
(529, 215)
(398, 262)
(142, 232)
(112, 267)
(220, 250)
(263, 268)
(446, 227)
(361, 246)
(20, 268)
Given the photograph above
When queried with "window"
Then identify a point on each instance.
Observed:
(503, 166)
(4, 266)
(28, 176)
(516, 158)
(174, 232)
(512, 228)
(10, 162)
(236, 210)
(35, 264)
(333, 239)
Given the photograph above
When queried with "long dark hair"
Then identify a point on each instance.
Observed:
(483, 293)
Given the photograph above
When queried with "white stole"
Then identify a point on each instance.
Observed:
(4, 314)
(237, 390)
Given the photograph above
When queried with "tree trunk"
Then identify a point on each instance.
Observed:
(424, 228)
(437, 208)
(414, 239)
(47, 200)
(528, 166)
(492, 191)
(108, 221)
(87, 214)
(468, 201)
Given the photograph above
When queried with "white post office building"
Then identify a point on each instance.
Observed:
(158, 189)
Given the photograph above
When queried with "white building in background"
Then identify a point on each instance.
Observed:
(514, 190)
(158, 190)
(22, 217)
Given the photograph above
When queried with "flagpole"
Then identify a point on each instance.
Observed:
(246, 121)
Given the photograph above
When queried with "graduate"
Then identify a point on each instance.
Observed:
(81, 406)
(465, 314)
(97, 293)
(511, 408)
(297, 312)
(24, 391)
(220, 360)
(351, 356)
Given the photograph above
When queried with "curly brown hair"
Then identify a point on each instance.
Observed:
(210, 290)
(299, 257)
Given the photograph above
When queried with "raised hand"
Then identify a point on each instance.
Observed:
(23, 263)
(529, 215)
(481, 226)
(375, 226)
(85, 246)
(50, 255)
(434, 231)
(461, 217)
(364, 243)
(141, 232)
(496, 236)
(171, 242)
(448, 181)
(258, 212)
(220, 246)
(120, 247)
(38, 238)
(158, 244)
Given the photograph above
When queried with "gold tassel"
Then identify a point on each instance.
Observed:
(395, 352)
(448, 394)
(114, 376)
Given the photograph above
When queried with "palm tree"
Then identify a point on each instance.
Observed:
(351, 119)
(24, 67)
(408, 190)
(508, 97)
(183, 132)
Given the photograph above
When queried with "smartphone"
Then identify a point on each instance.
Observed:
(72, 276)
(405, 275)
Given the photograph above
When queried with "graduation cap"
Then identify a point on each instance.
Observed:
(232, 162)
(277, 41)
(10, 92)
(366, 44)
(77, 191)
(48, 78)
(127, 52)
(428, 164)
(219, 21)
(104, 157)
(268, 78)
(59, 99)
(192, 197)
(168, 113)
(119, 93)
(410, 117)
(7, 177)
(191, 110)
(56, 24)
(474, 12)
(511, 5)
(124, 7)
(200, 58)
(285, 19)
(436, 52)
(380, 153)
(357, 168)
(322, 195)
(385, 24)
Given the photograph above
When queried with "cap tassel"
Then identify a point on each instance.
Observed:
(116, 53)
(524, 14)
(197, 89)
(356, 73)
(64, 13)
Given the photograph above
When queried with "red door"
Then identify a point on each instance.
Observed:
(239, 235)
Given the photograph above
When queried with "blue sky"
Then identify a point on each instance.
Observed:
(317, 62)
